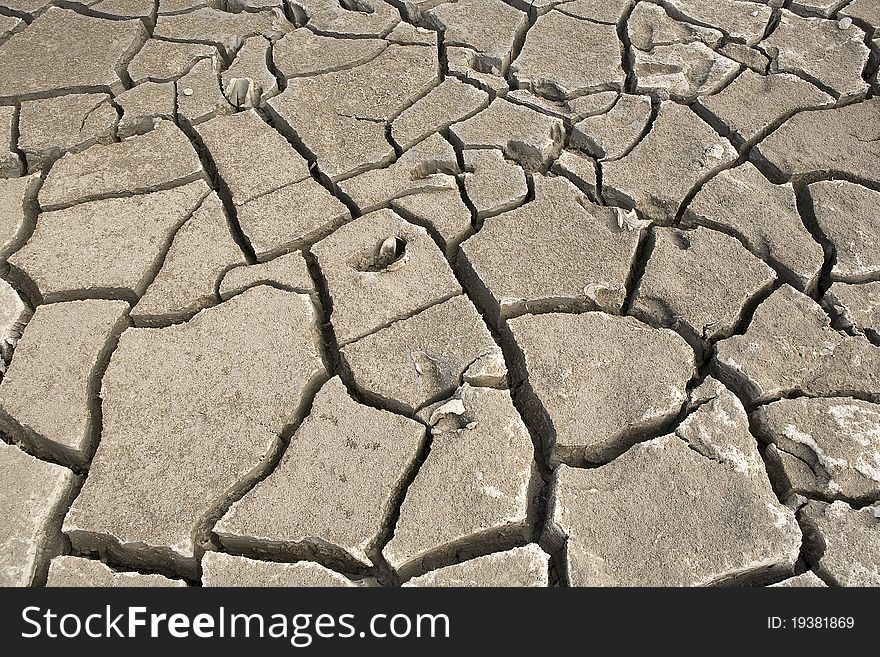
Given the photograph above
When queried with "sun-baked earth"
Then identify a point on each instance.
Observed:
(466, 293)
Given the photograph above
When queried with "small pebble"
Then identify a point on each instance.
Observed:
(844, 23)
(716, 151)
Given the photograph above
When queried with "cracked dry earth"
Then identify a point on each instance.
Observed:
(484, 292)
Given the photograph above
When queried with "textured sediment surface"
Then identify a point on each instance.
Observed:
(439, 293)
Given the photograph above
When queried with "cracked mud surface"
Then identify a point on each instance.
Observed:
(427, 293)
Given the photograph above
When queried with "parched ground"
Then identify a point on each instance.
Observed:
(484, 292)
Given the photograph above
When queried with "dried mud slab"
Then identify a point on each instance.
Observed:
(593, 383)
(48, 395)
(191, 413)
(181, 6)
(165, 61)
(379, 269)
(340, 116)
(160, 159)
(143, 106)
(362, 292)
(601, 11)
(740, 20)
(473, 491)
(330, 495)
(88, 573)
(824, 7)
(429, 166)
(725, 273)
(31, 69)
(522, 566)
(573, 109)
(838, 439)
(489, 28)
(829, 52)
(123, 8)
(651, 25)
(750, 58)
(865, 11)
(33, 500)
(610, 136)
(290, 217)
(279, 205)
(287, 272)
(679, 153)
(445, 104)
(692, 508)
(9, 25)
(248, 82)
(441, 211)
(424, 358)
(848, 542)
(849, 216)
(199, 96)
(251, 157)
(302, 52)
(530, 138)
(682, 72)
(564, 57)
(219, 28)
(360, 18)
(558, 252)
(11, 164)
(18, 207)
(52, 126)
(75, 251)
(581, 170)
(858, 307)
(202, 250)
(492, 183)
(790, 347)
(220, 569)
(764, 217)
(27, 6)
(754, 104)
(407, 34)
(474, 68)
(804, 580)
(843, 141)
(14, 315)
(672, 59)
